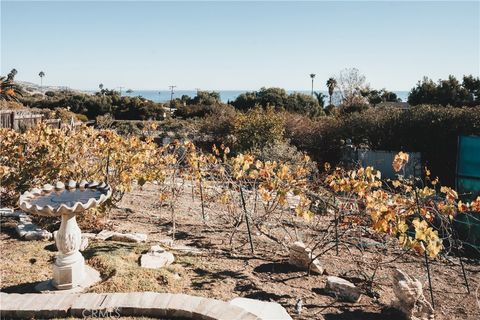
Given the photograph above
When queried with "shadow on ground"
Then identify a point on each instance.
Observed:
(22, 288)
(279, 267)
(389, 314)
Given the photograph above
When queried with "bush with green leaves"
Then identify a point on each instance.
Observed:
(447, 92)
(101, 103)
(281, 100)
(257, 128)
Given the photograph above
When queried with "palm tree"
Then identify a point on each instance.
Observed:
(41, 75)
(12, 74)
(331, 84)
(312, 75)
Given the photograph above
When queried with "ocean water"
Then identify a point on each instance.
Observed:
(225, 95)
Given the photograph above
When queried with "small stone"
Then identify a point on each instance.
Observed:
(29, 231)
(262, 309)
(39, 234)
(105, 234)
(410, 299)
(129, 237)
(59, 185)
(343, 289)
(71, 184)
(157, 260)
(89, 235)
(301, 257)
(83, 184)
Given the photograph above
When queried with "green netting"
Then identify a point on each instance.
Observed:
(468, 166)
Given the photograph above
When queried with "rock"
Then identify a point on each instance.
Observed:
(25, 228)
(301, 256)
(118, 236)
(262, 309)
(410, 299)
(29, 231)
(343, 289)
(59, 185)
(89, 235)
(156, 258)
(38, 234)
(129, 237)
(105, 234)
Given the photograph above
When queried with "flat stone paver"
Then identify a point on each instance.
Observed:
(149, 304)
(262, 309)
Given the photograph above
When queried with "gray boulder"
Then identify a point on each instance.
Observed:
(343, 289)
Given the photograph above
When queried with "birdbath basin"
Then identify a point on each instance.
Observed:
(66, 201)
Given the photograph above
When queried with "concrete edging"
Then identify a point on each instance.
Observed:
(153, 304)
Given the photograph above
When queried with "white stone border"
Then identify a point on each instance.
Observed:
(148, 304)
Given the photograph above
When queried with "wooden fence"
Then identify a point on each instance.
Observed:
(21, 120)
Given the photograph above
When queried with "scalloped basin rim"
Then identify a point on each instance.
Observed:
(48, 202)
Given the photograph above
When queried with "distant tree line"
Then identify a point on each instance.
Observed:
(103, 102)
(449, 92)
(280, 99)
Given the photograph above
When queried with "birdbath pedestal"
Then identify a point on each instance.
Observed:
(66, 201)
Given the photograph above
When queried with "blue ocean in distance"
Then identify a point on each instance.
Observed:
(225, 95)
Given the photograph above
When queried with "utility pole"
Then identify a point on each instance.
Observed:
(312, 75)
(171, 96)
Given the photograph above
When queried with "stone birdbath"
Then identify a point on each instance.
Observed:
(66, 201)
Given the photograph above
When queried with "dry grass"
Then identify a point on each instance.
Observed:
(118, 264)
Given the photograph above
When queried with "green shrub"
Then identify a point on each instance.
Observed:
(257, 128)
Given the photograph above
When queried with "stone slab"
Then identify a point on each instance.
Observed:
(262, 309)
(140, 304)
(343, 289)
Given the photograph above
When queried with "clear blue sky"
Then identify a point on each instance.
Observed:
(235, 45)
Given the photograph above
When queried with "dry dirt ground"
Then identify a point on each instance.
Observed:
(223, 271)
